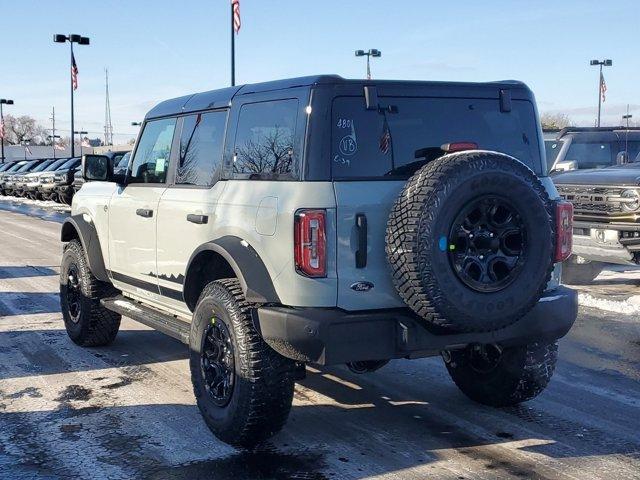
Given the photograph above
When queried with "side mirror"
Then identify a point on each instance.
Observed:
(97, 168)
(565, 166)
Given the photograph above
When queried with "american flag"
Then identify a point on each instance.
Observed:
(1, 129)
(385, 138)
(74, 72)
(85, 142)
(27, 150)
(603, 87)
(57, 146)
(236, 15)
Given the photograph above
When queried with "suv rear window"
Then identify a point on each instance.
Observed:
(367, 144)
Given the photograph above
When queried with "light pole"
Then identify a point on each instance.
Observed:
(80, 40)
(601, 63)
(371, 53)
(3, 101)
(627, 117)
(79, 132)
(52, 139)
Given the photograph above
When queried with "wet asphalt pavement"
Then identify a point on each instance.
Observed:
(127, 411)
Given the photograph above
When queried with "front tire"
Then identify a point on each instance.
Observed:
(88, 323)
(243, 388)
(505, 377)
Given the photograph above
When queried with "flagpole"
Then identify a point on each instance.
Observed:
(233, 50)
(599, 94)
(71, 81)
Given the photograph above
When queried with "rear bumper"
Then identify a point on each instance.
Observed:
(328, 336)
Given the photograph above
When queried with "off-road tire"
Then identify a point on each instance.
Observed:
(422, 217)
(263, 379)
(96, 325)
(522, 373)
(574, 273)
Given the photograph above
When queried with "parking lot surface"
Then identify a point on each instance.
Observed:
(127, 411)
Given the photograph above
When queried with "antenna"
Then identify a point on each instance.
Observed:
(108, 127)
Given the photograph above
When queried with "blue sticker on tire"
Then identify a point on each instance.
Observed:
(443, 244)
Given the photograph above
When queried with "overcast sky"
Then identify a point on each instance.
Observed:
(163, 48)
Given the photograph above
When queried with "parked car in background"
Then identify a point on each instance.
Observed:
(9, 183)
(63, 180)
(20, 184)
(7, 165)
(47, 187)
(8, 172)
(606, 227)
(580, 148)
(32, 179)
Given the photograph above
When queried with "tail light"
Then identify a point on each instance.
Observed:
(310, 243)
(564, 230)
(459, 146)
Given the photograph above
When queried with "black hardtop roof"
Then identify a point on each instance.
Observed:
(223, 97)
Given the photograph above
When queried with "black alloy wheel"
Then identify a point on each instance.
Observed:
(217, 362)
(73, 293)
(487, 244)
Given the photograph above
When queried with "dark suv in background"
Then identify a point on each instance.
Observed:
(57, 185)
(602, 180)
(580, 148)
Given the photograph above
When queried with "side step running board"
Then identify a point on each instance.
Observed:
(163, 322)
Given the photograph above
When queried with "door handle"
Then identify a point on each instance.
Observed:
(144, 212)
(199, 219)
(361, 228)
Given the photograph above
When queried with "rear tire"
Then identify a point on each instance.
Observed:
(574, 273)
(88, 323)
(243, 388)
(518, 374)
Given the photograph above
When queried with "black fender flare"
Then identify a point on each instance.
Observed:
(253, 275)
(77, 227)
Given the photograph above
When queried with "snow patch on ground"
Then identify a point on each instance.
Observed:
(630, 306)
(38, 203)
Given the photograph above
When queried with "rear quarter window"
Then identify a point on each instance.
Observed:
(382, 144)
(265, 141)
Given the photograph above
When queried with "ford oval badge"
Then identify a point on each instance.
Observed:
(362, 286)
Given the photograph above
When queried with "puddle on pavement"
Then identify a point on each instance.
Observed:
(74, 392)
(267, 463)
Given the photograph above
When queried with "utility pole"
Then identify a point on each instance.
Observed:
(81, 133)
(53, 130)
(108, 127)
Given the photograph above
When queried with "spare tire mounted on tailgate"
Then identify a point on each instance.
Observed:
(470, 241)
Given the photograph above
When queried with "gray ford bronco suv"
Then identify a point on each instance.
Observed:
(327, 221)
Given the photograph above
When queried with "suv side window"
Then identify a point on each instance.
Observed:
(265, 139)
(201, 148)
(151, 160)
